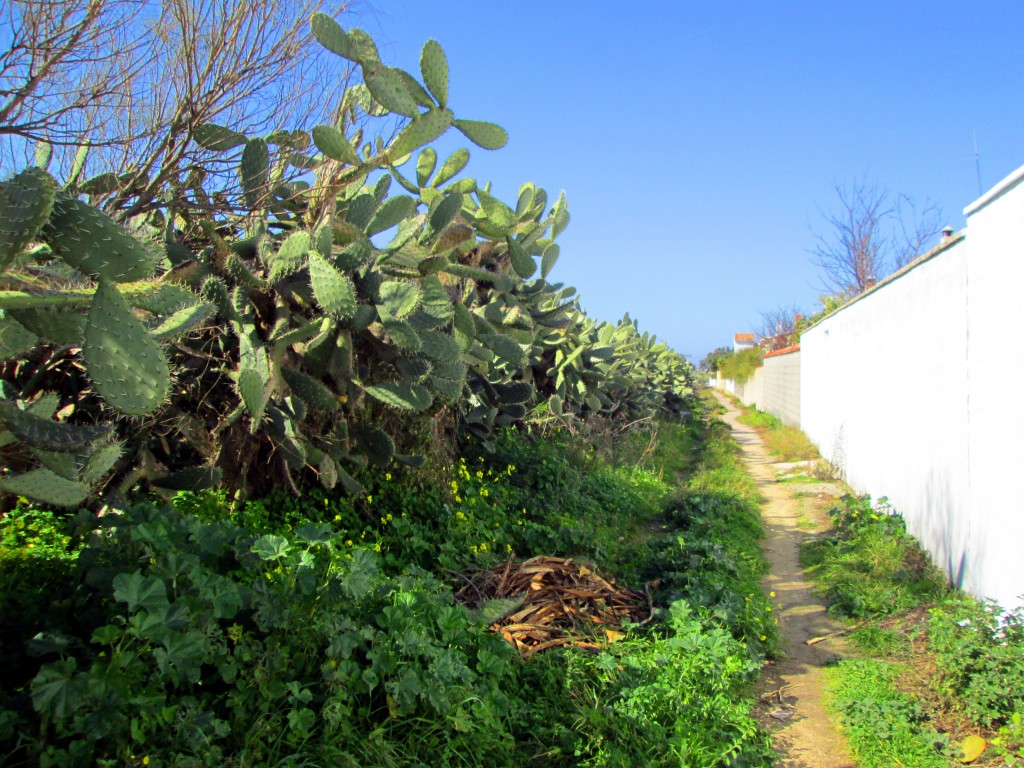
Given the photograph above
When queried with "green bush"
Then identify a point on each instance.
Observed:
(979, 650)
(740, 366)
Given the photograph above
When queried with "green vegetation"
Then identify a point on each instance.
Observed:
(740, 366)
(324, 630)
(286, 436)
(883, 726)
(869, 565)
(942, 667)
(786, 442)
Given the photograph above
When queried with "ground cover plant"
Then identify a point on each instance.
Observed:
(941, 673)
(287, 631)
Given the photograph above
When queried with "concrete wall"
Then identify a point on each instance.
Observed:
(774, 387)
(781, 386)
(906, 389)
(995, 242)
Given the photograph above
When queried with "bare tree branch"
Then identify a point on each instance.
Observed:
(132, 79)
(870, 235)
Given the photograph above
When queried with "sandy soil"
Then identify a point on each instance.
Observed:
(791, 687)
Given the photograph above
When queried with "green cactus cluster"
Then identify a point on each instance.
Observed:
(117, 319)
(296, 343)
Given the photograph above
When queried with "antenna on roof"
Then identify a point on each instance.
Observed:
(977, 163)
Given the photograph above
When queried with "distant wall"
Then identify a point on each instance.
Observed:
(906, 388)
(774, 387)
(780, 394)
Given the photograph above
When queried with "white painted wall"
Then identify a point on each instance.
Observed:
(995, 225)
(751, 392)
(906, 389)
(780, 390)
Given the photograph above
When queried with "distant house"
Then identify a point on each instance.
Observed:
(741, 341)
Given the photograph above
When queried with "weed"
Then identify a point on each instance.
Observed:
(869, 565)
(883, 726)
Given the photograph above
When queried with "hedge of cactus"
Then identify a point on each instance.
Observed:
(297, 341)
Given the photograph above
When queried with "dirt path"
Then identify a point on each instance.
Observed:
(791, 689)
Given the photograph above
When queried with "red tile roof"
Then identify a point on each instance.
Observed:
(743, 337)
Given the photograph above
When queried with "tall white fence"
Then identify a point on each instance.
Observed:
(911, 390)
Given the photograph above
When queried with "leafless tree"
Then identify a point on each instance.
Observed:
(132, 79)
(871, 234)
(67, 70)
(780, 321)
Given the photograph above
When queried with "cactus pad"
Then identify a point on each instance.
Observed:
(254, 171)
(46, 486)
(26, 201)
(290, 257)
(425, 165)
(333, 290)
(388, 90)
(403, 395)
(420, 131)
(486, 135)
(434, 68)
(44, 433)
(334, 145)
(393, 211)
(451, 167)
(123, 360)
(402, 335)
(15, 339)
(309, 390)
(91, 242)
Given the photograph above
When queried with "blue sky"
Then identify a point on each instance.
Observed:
(698, 142)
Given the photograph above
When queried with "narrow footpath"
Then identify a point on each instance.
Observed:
(792, 686)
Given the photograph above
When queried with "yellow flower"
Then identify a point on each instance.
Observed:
(369, 499)
(479, 474)
(458, 499)
(771, 594)
(376, 547)
(387, 476)
(484, 492)
(483, 547)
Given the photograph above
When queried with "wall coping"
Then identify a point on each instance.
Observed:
(784, 351)
(996, 192)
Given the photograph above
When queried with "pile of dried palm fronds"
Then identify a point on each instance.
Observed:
(547, 602)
